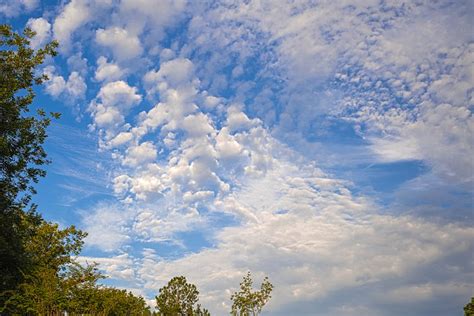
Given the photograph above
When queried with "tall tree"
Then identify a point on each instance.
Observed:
(247, 302)
(22, 135)
(179, 298)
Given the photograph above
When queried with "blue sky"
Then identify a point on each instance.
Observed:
(325, 144)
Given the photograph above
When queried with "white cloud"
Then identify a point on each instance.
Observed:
(56, 84)
(107, 226)
(174, 73)
(117, 267)
(375, 72)
(74, 14)
(113, 102)
(75, 86)
(139, 155)
(12, 8)
(151, 15)
(124, 45)
(42, 28)
(237, 120)
(108, 71)
(119, 94)
(78, 63)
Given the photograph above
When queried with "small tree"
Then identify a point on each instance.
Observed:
(247, 302)
(179, 298)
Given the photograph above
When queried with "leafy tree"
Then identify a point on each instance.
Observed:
(247, 302)
(44, 289)
(57, 283)
(469, 308)
(21, 151)
(121, 302)
(178, 298)
(21, 135)
(81, 288)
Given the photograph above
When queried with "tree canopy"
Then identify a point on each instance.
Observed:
(469, 308)
(22, 135)
(179, 298)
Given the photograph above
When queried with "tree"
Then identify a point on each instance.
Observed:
(21, 135)
(469, 308)
(21, 151)
(178, 298)
(121, 302)
(43, 289)
(247, 302)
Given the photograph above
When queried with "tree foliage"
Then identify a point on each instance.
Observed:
(469, 308)
(21, 151)
(21, 135)
(179, 298)
(247, 302)
(57, 282)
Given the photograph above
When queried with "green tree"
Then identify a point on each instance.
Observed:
(21, 135)
(179, 298)
(121, 302)
(44, 288)
(247, 302)
(21, 153)
(469, 308)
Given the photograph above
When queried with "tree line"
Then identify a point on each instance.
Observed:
(39, 271)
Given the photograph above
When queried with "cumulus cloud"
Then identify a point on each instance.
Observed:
(74, 87)
(113, 102)
(124, 45)
(138, 155)
(108, 71)
(73, 15)
(12, 8)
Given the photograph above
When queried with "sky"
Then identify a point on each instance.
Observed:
(327, 145)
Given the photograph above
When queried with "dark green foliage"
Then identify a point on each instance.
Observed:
(21, 151)
(57, 283)
(178, 298)
(469, 308)
(21, 135)
(247, 302)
